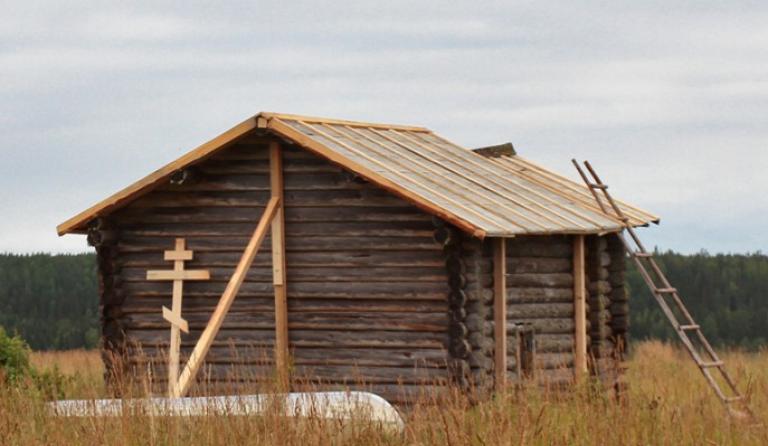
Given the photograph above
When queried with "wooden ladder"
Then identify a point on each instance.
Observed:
(704, 356)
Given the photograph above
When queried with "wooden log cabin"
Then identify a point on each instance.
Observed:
(357, 255)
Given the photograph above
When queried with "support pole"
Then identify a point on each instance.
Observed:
(579, 308)
(500, 313)
(278, 266)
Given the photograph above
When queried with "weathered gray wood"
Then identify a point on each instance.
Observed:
(423, 322)
(553, 280)
(384, 357)
(545, 310)
(320, 290)
(265, 304)
(305, 338)
(341, 258)
(549, 325)
(129, 243)
(316, 274)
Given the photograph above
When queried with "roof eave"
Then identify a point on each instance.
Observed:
(77, 223)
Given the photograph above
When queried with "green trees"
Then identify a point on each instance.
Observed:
(51, 300)
(14, 358)
(726, 293)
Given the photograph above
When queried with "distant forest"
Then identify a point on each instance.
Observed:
(51, 300)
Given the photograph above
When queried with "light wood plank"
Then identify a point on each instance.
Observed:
(225, 302)
(175, 347)
(174, 319)
(579, 307)
(500, 312)
(278, 266)
(178, 274)
(178, 255)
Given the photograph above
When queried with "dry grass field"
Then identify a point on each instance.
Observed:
(668, 404)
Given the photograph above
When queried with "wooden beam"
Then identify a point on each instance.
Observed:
(179, 274)
(579, 308)
(500, 312)
(278, 266)
(225, 302)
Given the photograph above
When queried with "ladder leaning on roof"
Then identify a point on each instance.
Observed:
(705, 357)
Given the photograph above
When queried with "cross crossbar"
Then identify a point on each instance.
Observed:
(173, 315)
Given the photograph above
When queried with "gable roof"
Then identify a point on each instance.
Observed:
(493, 192)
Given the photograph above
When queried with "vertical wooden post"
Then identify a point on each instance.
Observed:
(173, 315)
(500, 312)
(173, 355)
(278, 266)
(579, 308)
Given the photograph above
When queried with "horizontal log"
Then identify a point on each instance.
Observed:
(417, 322)
(302, 338)
(375, 357)
(546, 343)
(599, 287)
(295, 229)
(315, 274)
(553, 280)
(541, 325)
(266, 304)
(358, 197)
(230, 181)
(319, 290)
(341, 258)
(538, 265)
(293, 214)
(130, 243)
(546, 310)
(537, 294)
(539, 246)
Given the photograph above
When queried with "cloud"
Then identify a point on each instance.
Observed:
(668, 99)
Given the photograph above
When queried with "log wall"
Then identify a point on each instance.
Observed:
(367, 283)
(381, 296)
(540, 294)
(608, 310)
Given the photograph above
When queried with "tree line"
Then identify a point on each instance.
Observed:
(52, 300)
(725, 293)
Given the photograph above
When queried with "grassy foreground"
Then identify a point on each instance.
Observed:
(668, 404)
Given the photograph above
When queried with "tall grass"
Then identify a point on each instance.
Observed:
(667, 403)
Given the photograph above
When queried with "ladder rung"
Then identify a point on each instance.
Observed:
(689, 327)
(666, 290)
(733, 399)
(710, 364)
(598, 186)
(642, 254)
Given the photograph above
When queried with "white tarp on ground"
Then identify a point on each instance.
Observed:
(362, 406)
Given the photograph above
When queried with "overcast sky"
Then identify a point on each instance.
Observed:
(669, 100)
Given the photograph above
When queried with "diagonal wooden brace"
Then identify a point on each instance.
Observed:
(225, 302)
(175, 319)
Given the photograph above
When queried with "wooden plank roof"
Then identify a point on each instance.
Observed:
(492, 192)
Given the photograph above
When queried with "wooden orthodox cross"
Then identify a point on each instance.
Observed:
(178, 275)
